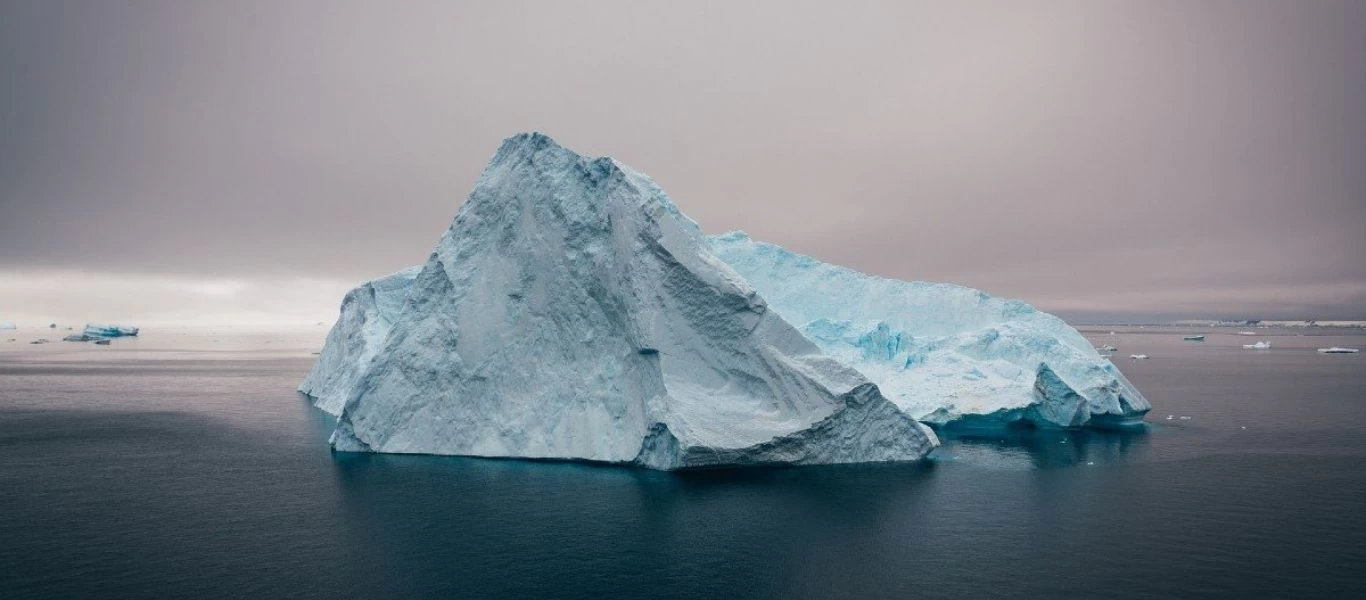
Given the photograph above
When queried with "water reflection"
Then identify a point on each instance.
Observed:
(509, 528)
(1023, 448)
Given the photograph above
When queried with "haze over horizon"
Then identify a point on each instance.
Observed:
(248, 162)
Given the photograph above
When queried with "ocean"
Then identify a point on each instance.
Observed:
(182, 464)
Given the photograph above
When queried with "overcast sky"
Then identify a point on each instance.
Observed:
(181, 161)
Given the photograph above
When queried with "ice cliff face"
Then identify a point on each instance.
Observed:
(570, 311)
(367, 315)
(943, 353)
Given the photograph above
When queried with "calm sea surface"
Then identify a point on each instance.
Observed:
(184, 465)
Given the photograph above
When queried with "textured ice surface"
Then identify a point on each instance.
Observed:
(367, 314)
(99, 330)
(570, 311)
(943, 353)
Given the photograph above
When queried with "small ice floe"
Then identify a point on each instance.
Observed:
(1194, 338)
(1090, 463)
(101, 342)
(1339, 350)
(1139, 356)
(1260, 345)
(81, 337)
(1185, 418)
(100, 330)
(1245, 427)
(39, 341)
(1169, 417)
(1112, 333)
(1247, 333)
(1107, 348)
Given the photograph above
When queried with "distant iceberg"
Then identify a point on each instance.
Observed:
(945, 354)
(97, 330)
(8, 325)
(572, 312)
(1339, 350)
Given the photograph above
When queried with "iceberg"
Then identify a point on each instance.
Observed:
(8, 325)
(945, 354)
(571, 311)
(97, 330)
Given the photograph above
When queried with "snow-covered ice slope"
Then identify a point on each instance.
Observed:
(367, 313)
(570, 311)
(943, 353)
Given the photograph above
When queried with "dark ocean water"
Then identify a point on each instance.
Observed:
(177, 466)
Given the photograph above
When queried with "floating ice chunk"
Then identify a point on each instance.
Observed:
(1260, 345)
(571, 311)
(1339, 350)
(79, 338)
(98, 330)
(1139, 356)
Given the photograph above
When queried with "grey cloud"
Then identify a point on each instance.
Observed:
(1141, 158)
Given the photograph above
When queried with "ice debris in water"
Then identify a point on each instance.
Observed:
(571, 311)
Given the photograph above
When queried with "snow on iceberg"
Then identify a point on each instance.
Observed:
(945, 354)
(367, 314)
(571, 311)
(97, 330)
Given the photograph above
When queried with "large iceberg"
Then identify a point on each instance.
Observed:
(945, 354)
(97, 330)
(572, 312)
